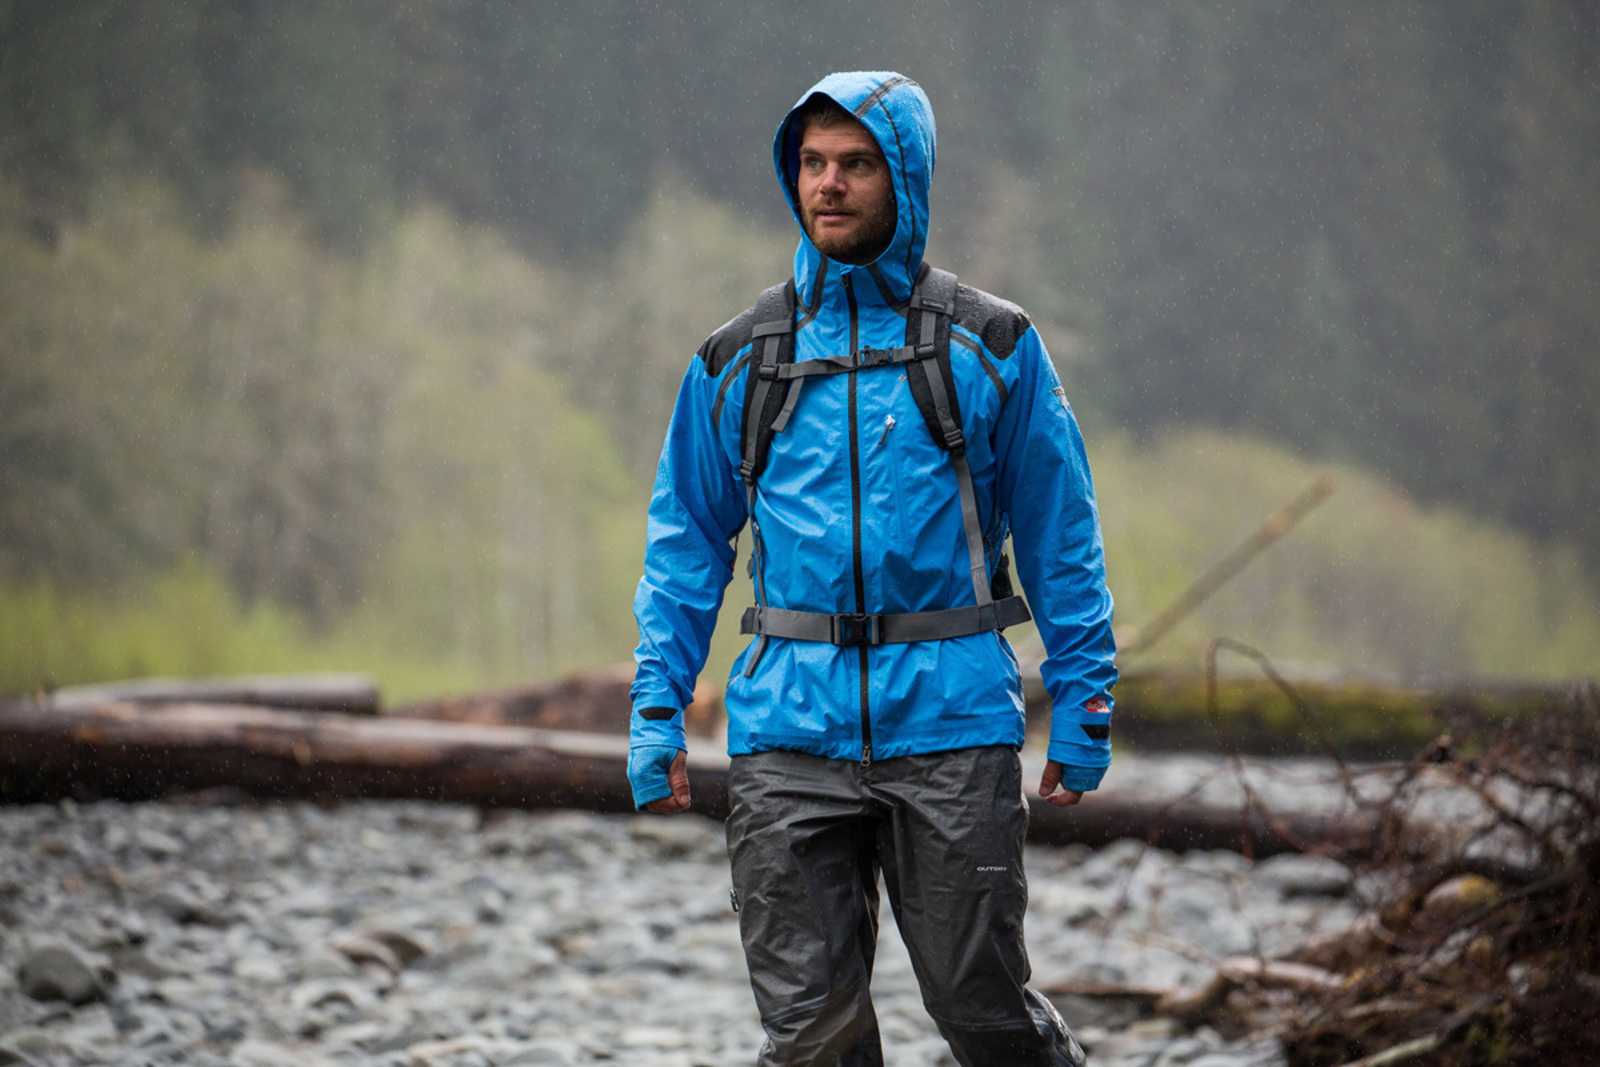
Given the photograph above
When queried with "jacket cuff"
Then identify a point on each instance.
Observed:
(1082, 779)
(1082, 767)
(647, 728)
(647, 773)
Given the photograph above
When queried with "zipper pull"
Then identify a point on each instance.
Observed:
(888, 424)
(866, 755)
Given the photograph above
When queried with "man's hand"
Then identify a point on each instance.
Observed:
(1049, 787)
(678, 779)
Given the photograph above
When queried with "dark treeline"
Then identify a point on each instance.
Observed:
(1370, 231)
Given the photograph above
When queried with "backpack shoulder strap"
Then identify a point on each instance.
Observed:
(933, 383)
(933, 305)
(772, 336)
(773, 339)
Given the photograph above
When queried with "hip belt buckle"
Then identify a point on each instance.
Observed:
(851, 629)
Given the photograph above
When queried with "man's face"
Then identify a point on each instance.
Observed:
(846, 196)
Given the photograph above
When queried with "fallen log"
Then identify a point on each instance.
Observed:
(133, 753)
(354, 694)
(594, 701)
(1157, 710)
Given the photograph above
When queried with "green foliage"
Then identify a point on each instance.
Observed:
(1365, 231)
(178, 393)
(1371, 582)
(186, 622)
(365, 445)
(428, 456)
(687, 266)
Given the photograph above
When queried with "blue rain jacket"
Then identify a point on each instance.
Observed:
(859, 511)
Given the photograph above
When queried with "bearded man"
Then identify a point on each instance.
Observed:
(881, 430)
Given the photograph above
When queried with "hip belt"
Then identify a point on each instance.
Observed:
(883, 629)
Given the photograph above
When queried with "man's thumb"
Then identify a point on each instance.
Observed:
(678, 778)
(1051, 779)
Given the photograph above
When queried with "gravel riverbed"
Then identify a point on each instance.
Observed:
(421, 935)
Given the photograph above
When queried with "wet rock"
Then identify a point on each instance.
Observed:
(407, 947)
(260, 969)
(1250, 1052)
(157, 844)
(1073, 904)
(1296, 875)
(324, 962)
(182, 905)
(674, 837)
(1112, 863)
(542, 1054)
(323, 992)
(270, 1054)
(124, 927)
(31, 1046)
(1458, 896)
(660, 1037)
(360, 949)
(57, 971)
(11, 1057)
(532, 940)
(457, 1052)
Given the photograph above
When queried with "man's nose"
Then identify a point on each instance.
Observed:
(832, 179)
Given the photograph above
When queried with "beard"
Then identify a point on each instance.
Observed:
(860, 244)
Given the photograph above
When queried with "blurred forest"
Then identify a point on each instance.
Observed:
(345, 334)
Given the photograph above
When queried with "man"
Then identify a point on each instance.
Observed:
(881, 431)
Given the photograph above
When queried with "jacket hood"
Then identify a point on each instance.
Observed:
(896, 112)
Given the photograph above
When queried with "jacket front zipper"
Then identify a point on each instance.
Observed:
(855, 524)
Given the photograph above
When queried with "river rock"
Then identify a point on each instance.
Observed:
(271, 1054)
(321, 992)
(531, 941)
(1458, 896)
(182, 905)
(1297, 875)
(360, 949)
(58, 971)
(407, 947)
(542, 1054)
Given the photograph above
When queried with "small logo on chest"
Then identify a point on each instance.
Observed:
(990, 869)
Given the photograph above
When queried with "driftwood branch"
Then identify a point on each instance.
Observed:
(1276, 525)
(1237, 972)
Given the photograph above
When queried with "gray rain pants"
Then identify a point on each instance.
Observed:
(807, 838)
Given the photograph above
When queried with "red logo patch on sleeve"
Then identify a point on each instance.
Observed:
(1098, 705)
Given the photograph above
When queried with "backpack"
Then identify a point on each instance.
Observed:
(775, 388)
